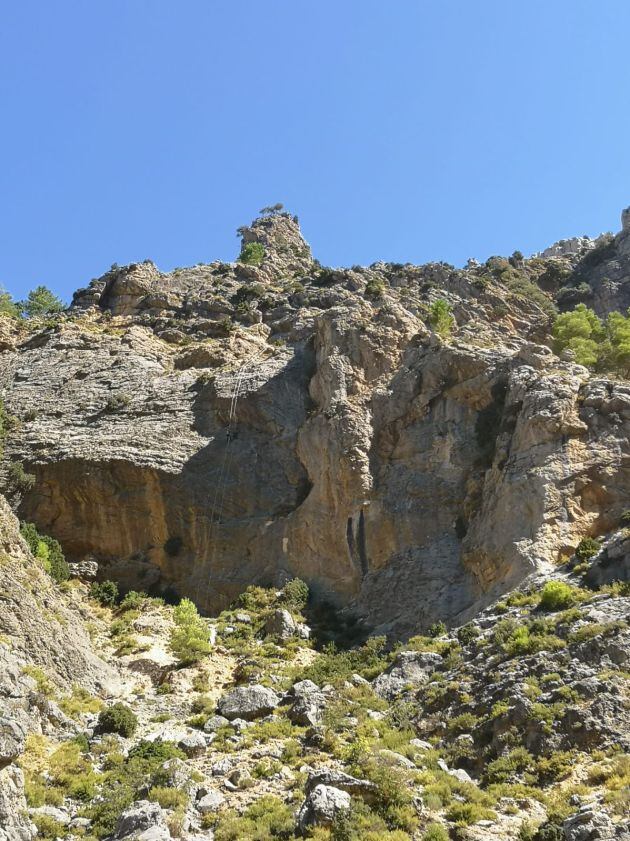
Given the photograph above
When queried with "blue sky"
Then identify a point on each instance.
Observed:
(401, 130)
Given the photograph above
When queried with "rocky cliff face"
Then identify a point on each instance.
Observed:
(204, 429)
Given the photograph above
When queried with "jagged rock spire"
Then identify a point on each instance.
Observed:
(286, 250)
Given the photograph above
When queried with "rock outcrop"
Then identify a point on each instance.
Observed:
(230, 423)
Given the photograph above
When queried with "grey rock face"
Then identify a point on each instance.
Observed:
(248, 702)
(322, 806)
(212, 801)
(281, 624)
(587, 825)
(412, 477)
(142, 821)
(308, 704)
(214, 723)
(12, 738)
(193, 744)
(15, 825)
(410, 668)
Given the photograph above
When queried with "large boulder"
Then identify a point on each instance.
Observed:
(281, 625)
(12, 739)
(409, 669)
(587, 825)
(211, 801)
(308, 704)
(15, 825)
(322, 805)
(330, 777)
(248, 702)
(142, 821)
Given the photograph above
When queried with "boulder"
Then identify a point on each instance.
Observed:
(193, 744)
(281, 625)
(214, 723)
(248, 702)
(12, 738)
(142, 821)
(211, 801)
(331, 778)
(410, 668)
(322, 805)
(587, 825)
(308, 704)
(15, 825)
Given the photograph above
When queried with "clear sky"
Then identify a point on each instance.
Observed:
(407, 130)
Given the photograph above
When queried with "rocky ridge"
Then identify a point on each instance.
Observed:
(230, 423)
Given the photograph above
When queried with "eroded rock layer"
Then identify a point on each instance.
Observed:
(201, 430)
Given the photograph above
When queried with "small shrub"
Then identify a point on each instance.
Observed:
(557, 595)
(133, 600)
(467, 634)
(587, 548)
(117, 401)
(295, 594)
(441, 318)
(464, 814)
(41, 301)
(119, 718)
(374, 288)
(438, 629)
(435, 832)
(19, 478)
(168, 797)
(252, 254)
(190, 638)
(104, 592)
(47, 550)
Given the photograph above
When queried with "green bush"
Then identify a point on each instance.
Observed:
(47, 550)
(587, 548)
(190, 638)
(374, 288)
(441, 318)
(464, 814)
(104, 592)
(8, 307)
(266, 818)
(252, 254)
(119, 718)
(438, 629)
(557, 595)
(41, 301)
(133, 600)
(435, 832)
(295, 594)
(335, 667)
(19, 478)
(595, 343)
(467, 634)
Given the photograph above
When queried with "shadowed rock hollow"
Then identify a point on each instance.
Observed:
(230, 423)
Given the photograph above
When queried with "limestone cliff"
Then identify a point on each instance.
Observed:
(231, 423)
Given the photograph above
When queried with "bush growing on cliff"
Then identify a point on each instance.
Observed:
(8, 307)
(556, 595)
(252, 254)
(605, 345)
(47, 550)
(587, 548)
(295, 594)
(190, 638)
(104, 592)
(441, 318)
(119, 718)
(41, 301)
